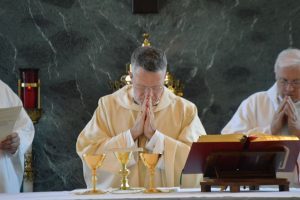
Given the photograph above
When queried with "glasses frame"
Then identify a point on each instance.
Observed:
(284, 82)
(155, 89)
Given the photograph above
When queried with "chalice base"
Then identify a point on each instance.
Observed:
(127, 191)
(92, 192)
(152, 190)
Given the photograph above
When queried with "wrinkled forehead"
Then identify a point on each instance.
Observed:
(289, 62)
(290, 73)
(146, 78)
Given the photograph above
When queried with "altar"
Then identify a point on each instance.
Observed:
(192, 193)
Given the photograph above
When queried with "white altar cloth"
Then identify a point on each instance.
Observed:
(264, 193)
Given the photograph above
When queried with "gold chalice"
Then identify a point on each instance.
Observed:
(94, 162)
(150, 160)
(123, 155)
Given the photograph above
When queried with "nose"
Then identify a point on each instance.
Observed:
(289, 87)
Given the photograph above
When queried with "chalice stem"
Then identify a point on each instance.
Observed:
(94, 180)
(151, 178)
(124, 173)
(123, 186)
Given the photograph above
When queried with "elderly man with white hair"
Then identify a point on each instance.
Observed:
(275, 111)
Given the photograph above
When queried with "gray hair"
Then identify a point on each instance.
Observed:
(287, 58)
(149, 58)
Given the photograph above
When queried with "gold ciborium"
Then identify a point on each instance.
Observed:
(150, 160)
(123, 158)
(123, 155)
(94, 162)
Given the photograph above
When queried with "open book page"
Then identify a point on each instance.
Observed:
(259, 137)
(235, 137)
(240, 137)
(8, 118)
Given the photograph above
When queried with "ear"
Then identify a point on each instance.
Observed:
(164, 74)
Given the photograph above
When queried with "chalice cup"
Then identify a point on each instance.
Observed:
(150, 161)
(94, 162)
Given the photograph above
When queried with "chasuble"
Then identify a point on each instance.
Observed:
(178, 126)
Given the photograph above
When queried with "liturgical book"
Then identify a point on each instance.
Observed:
(8, 118)
(238, 155)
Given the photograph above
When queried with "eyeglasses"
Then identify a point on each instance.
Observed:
(283, 82)
(155, 89)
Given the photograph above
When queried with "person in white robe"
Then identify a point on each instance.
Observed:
(15, 145)
(277, 110)
(144, 114)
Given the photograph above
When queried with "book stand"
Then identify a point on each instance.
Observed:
(236, 169)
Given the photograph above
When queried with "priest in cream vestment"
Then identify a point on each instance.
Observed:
(277, 110)
(144, 114)
(14, 146)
